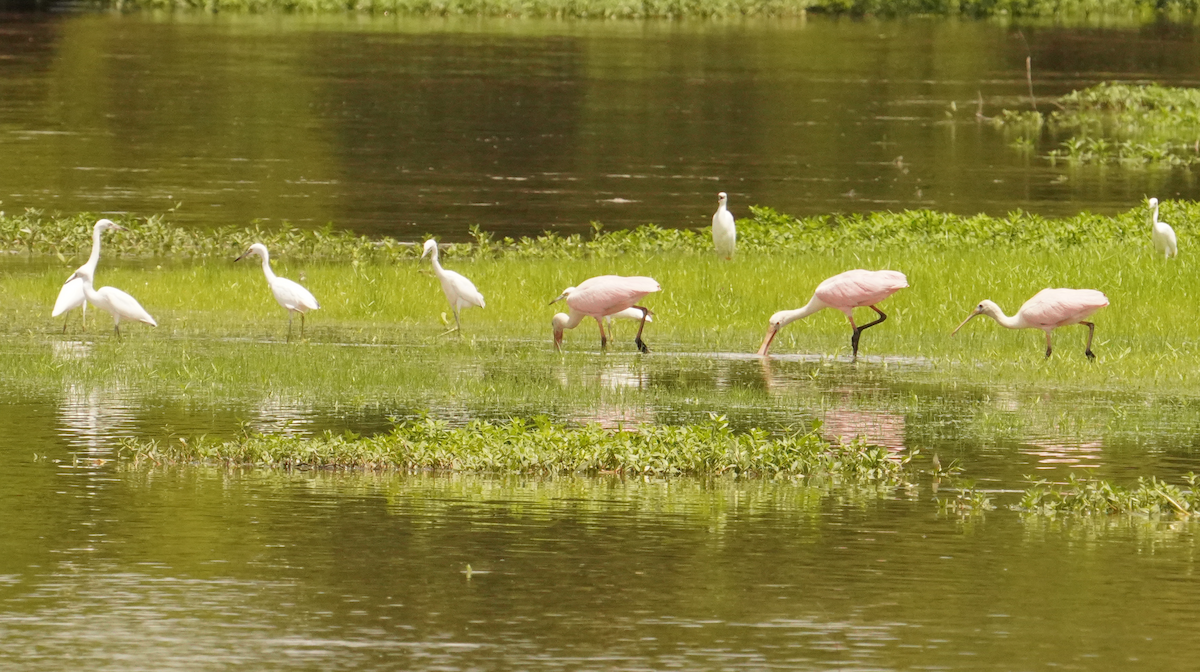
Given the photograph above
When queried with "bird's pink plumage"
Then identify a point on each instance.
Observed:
(1059, 307)
(608, 294)
(857, 288)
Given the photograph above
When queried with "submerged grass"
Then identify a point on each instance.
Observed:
(1126, 124)
(540, 446)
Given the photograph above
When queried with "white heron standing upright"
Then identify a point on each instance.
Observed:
(290, 295)
(112, 300)
(459, 291)
(724, 232)
(71, 296)
(1162, 234)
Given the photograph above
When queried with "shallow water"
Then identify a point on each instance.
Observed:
(407, 126)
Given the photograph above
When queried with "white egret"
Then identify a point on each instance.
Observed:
(290, 295)
(71, 296)
(1162, 234)
(724, 232)
(459, 291)
(112, 301)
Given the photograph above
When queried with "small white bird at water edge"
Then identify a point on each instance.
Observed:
(288, 294)
(1162, 234)
(460, 292)
(724, 230)
(113, 301)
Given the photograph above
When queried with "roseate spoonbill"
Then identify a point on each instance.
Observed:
(1162, 234)
(1047, 310)
(288, 294)
(844, 292)
(71, 296)
(724, 232)
(113, 301)
(634, 314)
(599, 297)
(459, 291)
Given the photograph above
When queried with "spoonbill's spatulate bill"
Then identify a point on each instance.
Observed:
(844, 292)
(724, 231)
(290, 295)
(71, 296)
(460, 292)
(112, 301)
(599, 297)
(1048, 310)
(1162, 234)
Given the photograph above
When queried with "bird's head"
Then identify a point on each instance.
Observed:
(559, 323)
(985, 307)
(84, 274)
(773, 326)
(1153, 203)
(106, 224)
(257, 248)
(430, 248)
(722, 198)
(566, 294)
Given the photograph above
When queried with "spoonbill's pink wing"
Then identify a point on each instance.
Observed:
(860, 288)
(608, 294)
(1051, 308)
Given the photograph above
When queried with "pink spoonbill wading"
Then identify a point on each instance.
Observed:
(1048, 310)
(599, 297)
(844, 292)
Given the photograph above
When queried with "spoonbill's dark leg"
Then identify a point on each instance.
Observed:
(302, 326)
(289, 334)
(641, 345)
(1048, 348)
(1091, 332)
(858, 330)
(117, 328)
(603, 336)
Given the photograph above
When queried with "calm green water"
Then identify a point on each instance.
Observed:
(403, 126)
(406, 126)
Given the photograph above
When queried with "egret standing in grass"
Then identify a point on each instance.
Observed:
(724, 232)
(1048, 310)
(844, 292)
(293, 297)
(600, 297)
(1162, 234)
(113, 301)
(71, 296)
(459, 291)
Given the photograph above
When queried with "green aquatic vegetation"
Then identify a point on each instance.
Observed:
(541, 446)
(1092, 496)
(764, 232)
(1129, 124)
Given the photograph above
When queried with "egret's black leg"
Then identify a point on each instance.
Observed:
(1091, 332)
(858, 330)
(289, 334)
(302, 326)
(641, 345)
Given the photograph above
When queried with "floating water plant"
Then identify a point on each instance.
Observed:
(1117, 123)
(1088, 496)
(540, 446)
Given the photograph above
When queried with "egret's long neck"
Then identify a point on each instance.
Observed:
(267, 266)
(1155, 220)
(1014, 322)
(89, 289)
(814, 304)
(437, 265)
(94, 258)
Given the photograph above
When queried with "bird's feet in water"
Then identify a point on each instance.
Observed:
(641, 345)
(1090, 355)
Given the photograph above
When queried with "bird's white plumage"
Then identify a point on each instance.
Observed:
(460, 292)
(1162, 235)
(288, 294)
(113, 301)
(71, 295)
(724, 230)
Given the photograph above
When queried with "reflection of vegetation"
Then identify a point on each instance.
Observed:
(675, 8)
(1095, 496)
(544, 447)
(1118, 123)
